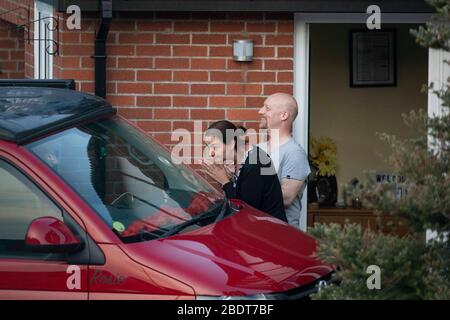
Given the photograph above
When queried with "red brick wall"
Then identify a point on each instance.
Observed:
(19, 12)
(165, 70)
(15, 11)
(29, 47)
(11, 51)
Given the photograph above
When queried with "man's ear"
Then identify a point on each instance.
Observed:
(284, 116)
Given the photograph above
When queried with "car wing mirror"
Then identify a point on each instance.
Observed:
(50, 235)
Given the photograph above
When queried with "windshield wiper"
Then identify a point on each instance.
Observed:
(226, 203)
(207, 215)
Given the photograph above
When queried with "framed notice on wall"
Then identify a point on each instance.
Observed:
(372, 58)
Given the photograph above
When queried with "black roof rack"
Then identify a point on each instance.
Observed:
(48, 83)
(27, 113)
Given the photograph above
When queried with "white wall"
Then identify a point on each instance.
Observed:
(352, 116)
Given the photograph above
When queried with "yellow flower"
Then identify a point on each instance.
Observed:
(323, 155)
(314, 148)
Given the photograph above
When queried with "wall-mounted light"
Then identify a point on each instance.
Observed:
(243, 50)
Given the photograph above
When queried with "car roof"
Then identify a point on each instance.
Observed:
(27, 113)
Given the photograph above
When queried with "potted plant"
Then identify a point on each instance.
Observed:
(322, 158)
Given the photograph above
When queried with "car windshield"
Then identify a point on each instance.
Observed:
(128, 179)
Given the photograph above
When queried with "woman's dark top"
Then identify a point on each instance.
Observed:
(258, 185)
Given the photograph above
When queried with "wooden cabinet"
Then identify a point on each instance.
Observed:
(365, 217)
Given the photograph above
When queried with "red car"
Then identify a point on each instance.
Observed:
(92, 208)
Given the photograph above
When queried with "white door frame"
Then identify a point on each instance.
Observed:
(301, 68)
(301, 94)
(43, 61)
(438, 73)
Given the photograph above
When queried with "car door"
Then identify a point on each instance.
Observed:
(25, 274)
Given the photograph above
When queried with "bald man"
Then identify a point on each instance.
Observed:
(289, 158)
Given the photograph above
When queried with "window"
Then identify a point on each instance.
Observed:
(20, 203)
(43, 43)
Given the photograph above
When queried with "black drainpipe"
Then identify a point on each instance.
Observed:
(100, 48)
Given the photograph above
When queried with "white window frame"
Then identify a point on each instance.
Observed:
(43, 60)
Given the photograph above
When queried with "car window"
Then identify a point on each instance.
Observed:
(20, 203)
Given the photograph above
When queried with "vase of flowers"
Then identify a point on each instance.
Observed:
(322, 157)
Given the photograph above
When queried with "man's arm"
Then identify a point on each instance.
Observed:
(294, 172)
(290, 189)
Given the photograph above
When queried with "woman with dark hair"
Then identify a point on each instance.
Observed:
(245, 175)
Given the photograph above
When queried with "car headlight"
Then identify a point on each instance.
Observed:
(259, 296)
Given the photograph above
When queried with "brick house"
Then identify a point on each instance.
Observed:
(171, 62)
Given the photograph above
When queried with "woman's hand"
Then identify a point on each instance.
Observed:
(218, 172)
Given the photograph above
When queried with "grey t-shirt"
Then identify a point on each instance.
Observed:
(291, 162)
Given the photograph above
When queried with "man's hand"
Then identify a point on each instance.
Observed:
(290, 189)
(218, 172)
